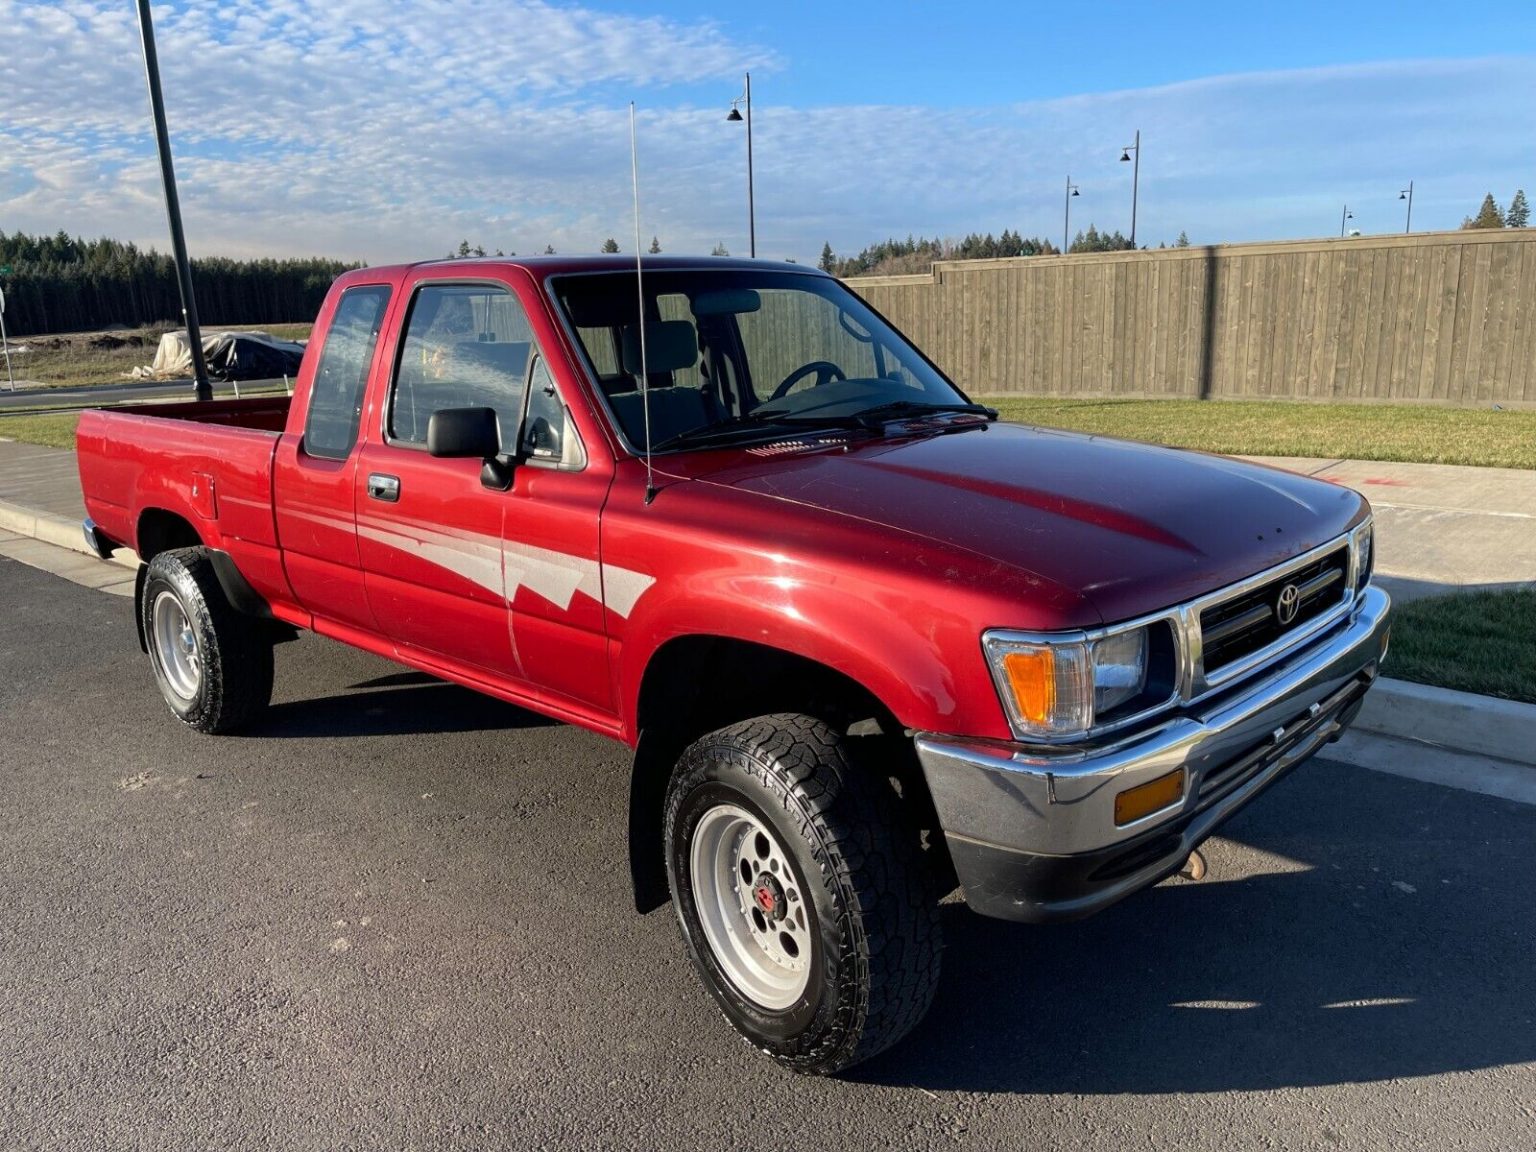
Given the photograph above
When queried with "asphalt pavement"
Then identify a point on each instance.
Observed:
(396, 915)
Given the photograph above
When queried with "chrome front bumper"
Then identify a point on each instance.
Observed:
(1032, 831)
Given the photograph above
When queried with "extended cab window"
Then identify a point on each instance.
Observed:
(466, 346)
(336, 399)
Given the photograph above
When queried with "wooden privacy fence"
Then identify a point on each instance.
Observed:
(1444, 317)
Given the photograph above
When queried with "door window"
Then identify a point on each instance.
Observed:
(466, 346)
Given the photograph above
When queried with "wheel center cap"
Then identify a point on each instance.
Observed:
(768, 895)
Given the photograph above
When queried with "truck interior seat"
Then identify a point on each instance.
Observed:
(673, 410)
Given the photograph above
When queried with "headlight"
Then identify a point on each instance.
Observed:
(1057, 688)
(1119, 670)
(1364, 553)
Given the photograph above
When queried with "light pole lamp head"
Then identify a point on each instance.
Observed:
(1075, 192)
(735, 113)
(1403, 195)
(1125, 155)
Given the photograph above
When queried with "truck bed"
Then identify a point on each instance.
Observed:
(207, 463)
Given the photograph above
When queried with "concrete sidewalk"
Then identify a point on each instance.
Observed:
(1439, 527)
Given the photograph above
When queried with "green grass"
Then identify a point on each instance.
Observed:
(54, 429)
(1418, 434)
(1482, 642)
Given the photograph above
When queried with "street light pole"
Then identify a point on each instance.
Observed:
(751, 206)
(203, 390)
(1348, 215)
(1407, 194)
(1066, 217)
(1125, 154)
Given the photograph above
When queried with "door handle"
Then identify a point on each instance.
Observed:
(382, 487)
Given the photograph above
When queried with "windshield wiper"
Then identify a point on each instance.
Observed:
(720, 430)
(753, 423)
(773, 421)
(896, 409)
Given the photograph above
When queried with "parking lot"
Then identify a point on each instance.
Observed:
(397, 916)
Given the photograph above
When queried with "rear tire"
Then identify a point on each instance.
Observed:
(212, 665)
(802, 893)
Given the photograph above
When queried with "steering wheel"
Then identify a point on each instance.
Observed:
(825, 370)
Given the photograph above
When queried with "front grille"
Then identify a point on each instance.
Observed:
(1244, 624)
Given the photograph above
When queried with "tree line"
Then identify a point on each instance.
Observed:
(1490, 215)
(63, 283)
(916, 255)
(895, 257)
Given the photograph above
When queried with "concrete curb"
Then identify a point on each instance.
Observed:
(56, 530)
(1457, 721)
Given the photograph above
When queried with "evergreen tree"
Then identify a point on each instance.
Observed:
(1182, 241)
(655, 248)
(828, 259)
(1519, 213)
(549, 249)
(720, 250)
(463, 249)
(610, 245)
(1488, 216)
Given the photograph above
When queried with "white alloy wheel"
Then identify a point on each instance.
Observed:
(751, 906)
(175, 645)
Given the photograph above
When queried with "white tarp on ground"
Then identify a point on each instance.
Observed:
(230, 355)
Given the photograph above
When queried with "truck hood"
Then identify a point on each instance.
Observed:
(1132, 527)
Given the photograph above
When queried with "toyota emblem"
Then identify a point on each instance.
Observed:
(1287, 604)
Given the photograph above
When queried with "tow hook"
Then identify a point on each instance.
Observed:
(1194, 868)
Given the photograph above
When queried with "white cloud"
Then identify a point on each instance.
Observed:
(365, 130)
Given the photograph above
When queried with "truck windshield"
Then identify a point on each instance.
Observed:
(743, 352)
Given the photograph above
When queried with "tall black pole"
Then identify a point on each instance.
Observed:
(204, 390)
(1408, 223)
(751, 206)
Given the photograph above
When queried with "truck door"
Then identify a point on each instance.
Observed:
(476, 577)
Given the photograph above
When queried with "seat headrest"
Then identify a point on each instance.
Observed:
(670, 345)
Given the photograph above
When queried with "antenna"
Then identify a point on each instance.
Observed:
(645, 362)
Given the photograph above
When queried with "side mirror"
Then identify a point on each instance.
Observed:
(464, 432)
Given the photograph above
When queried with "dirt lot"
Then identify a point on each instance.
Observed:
(108, 357)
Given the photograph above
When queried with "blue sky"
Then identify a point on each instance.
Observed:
(378, 130)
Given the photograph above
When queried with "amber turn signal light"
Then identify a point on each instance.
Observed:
(1032, 676)
(1145, 799)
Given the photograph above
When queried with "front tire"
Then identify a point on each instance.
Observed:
(212, 665)
(802, 893)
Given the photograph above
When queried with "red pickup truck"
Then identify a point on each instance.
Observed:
(867, 642)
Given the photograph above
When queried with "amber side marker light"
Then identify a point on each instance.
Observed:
(1145, 799)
